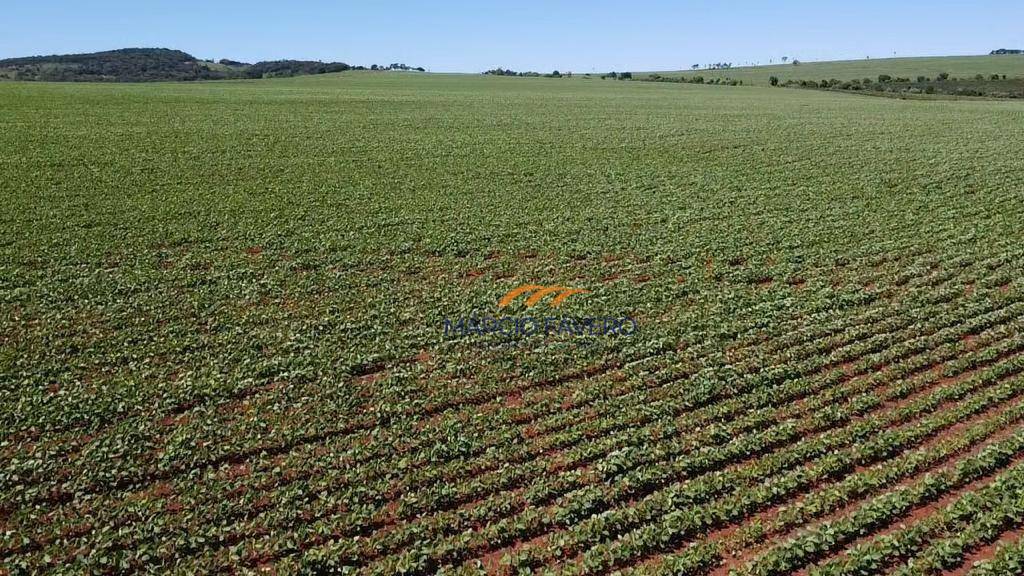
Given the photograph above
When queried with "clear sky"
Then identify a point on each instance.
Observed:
(542, 35)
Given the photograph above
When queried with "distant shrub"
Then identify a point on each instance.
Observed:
(922, 79)
(929, 89)
(994, 77)
(626, 76)
(698, 79)
(979, 77)
(883, 78)
(943, 77)
(774, 80)
(500, 72)
(286, 68)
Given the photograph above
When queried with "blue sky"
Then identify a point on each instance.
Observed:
(542, 35)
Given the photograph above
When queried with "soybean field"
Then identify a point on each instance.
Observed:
(272, 326)
(1011, 65)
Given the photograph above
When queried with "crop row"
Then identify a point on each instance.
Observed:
(829, 497)
(884, 510)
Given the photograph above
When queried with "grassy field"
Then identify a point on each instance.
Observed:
(223, 311)
(956, 66)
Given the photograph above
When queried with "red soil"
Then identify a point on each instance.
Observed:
(987, 552)
(725, 535)
(492, 560)
(921, 513)
(424, 357)
(514, 400)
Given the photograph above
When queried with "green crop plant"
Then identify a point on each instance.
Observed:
(223, 311)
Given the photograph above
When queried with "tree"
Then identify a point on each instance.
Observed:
(785, 59)
(695, 66)
(796, 62)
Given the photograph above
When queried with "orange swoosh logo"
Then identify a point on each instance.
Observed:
(538, 293)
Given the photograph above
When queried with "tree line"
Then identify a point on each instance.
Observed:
(157, 64)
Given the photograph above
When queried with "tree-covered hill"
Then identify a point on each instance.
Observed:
(156, 64)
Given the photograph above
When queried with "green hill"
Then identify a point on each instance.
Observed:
(128, 64)
(151, 64)
(1012, 65)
